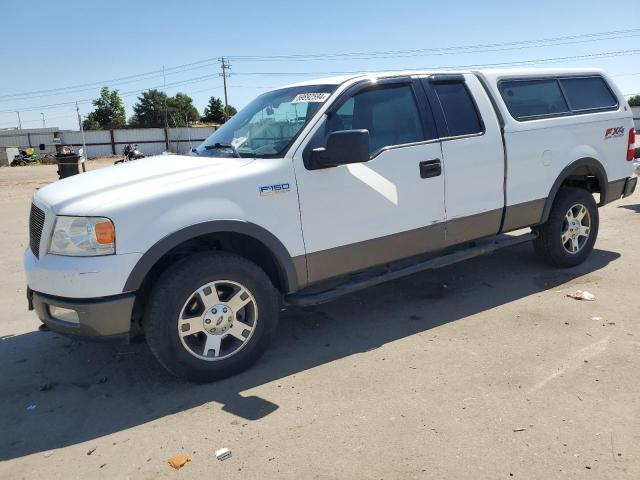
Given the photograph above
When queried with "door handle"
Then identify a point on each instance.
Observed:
(430, 168)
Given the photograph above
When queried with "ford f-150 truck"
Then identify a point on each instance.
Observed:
(317, 189)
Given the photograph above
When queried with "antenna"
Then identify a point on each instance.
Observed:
(44, 125)
(225, 65)
(20, 121)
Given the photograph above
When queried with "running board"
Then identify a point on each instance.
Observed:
(482, 247)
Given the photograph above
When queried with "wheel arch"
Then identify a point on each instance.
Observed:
(289, 272)
(585, 172)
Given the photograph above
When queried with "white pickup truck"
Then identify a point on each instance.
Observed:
(320, 188)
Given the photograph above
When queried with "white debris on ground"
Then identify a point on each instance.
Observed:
(223, 454)
(582, 295)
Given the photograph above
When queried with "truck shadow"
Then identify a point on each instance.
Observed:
(55, 392)
(634, 207)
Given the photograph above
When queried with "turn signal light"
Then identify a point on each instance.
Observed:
(632, 144)
(105, 233)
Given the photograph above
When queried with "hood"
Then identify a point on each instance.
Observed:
(83, 193)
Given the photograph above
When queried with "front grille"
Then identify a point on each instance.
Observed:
(36, 222)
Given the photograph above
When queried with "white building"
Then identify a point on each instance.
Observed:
(31, 137)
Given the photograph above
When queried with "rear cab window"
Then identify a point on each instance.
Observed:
(554, 97)
(588, 94)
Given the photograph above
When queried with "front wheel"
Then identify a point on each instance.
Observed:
(568, 236)
(211, 316)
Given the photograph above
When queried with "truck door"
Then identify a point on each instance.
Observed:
(360, 215)
(473, 156)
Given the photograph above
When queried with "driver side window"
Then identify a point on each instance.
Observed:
(389, 114)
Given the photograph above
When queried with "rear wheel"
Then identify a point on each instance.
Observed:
(211, 316)
(568, 236)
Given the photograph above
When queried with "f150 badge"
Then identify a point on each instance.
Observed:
(273, 189)
(613, 132)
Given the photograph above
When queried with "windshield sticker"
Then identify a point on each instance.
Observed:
(238, 142)
(310, 97)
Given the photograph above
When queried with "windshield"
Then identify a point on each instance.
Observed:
(268, 125)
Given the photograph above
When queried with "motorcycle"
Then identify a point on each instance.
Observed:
(27, 156)
(130, 152)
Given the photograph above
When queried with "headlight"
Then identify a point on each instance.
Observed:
(83, 237)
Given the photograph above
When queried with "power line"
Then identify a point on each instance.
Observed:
(127, 79)
(535, 43)
(456, 67)
(74, 90)
(588, 37)
(418, 53)
(225, 65)
(353, 72)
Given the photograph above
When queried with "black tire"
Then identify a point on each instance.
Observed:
(549, 244)
(172, 290)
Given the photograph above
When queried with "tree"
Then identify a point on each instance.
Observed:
(109, 111)
(149, 110)
(181, 110)
(230, 110)
(214, 111)
(90, 124)
(634, 101)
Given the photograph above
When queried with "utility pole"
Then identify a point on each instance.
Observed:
(224, 64)
(19, 121)
(166, 119)
(44, 125)
(186, 119)
(164, 88)
(84, 144)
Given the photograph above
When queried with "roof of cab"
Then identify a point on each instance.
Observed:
(489, 74)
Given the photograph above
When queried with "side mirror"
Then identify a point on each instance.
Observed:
(343, 147)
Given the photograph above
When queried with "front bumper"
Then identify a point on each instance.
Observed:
(79, 277)
(106, 318)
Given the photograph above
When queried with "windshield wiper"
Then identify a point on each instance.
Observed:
(218, 145)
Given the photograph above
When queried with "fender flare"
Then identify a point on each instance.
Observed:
(282, 257)
(594, 165)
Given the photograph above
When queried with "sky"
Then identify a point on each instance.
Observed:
(49, 47)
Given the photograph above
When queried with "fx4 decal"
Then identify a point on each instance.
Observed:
(273, 189)
(613, 132)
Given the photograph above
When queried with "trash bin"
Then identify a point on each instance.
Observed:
(67, 164)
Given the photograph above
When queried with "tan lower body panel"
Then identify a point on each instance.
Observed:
(379, 251)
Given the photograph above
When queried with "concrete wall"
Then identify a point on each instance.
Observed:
(100, 143)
